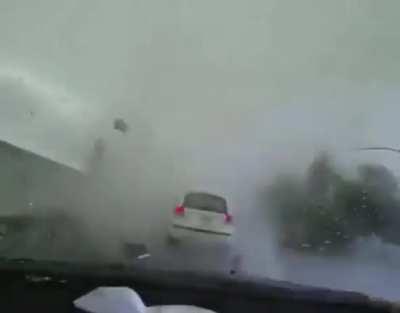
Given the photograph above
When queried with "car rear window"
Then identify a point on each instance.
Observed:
(206, 202)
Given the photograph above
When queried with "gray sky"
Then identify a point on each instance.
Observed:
(229, 63)
(222, 89)
(252, 82)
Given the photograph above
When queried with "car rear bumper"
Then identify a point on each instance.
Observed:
(179, 232)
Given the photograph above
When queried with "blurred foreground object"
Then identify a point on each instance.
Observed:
(121, 125)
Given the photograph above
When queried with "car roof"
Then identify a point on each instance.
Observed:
(203, 193)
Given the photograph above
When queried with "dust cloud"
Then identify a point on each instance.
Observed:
(218, 96)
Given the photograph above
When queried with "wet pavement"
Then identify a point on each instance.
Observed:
(374, 276)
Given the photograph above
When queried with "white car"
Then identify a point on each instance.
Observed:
(201, 215)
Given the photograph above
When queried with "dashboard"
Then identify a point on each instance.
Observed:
(53, 286)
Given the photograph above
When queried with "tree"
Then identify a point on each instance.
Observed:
(326, 210)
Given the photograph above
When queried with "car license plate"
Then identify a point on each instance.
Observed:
(206, 219)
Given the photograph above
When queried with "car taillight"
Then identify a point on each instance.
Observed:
(228, 218)
(180, 210)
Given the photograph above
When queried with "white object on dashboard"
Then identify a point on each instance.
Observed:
(126, 300)
(111, 300)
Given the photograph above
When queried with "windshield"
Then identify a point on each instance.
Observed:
(113, 111)
(205, 202)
